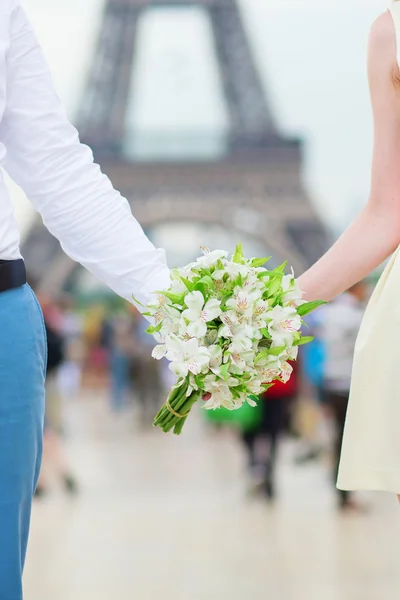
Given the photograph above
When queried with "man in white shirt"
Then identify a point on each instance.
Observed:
(340, 323)
(41, 151)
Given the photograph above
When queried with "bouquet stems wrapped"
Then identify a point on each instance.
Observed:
(175, 411)
(229, 329)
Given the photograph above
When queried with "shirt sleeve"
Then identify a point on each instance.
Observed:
(76, 200)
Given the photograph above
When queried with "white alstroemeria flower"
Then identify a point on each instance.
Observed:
(269, 371)
(169, 326)
(243, 302)
(210, 258)
(166, 312)
(255, 386)
(215, 356)
(253, 282)
(199, 314)
(293, 294)
(230, 381)
(221, 396)
(159, 351)
(260, 314)
(284, 323)
(286, 372)
(251, 402)
(218, 275)
(236, 269)
(229, 320)
(211, 337)
(241, 342)
(291, 353)
(178, 287)
(241, 361)
(192, 387)
(225, 332)
(187, 271)
(238, 402)
(186, 356)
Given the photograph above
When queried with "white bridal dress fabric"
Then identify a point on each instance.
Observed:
(371, 446)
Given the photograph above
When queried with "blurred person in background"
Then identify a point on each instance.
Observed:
(262, 439)
(41, 151)
(147, 374)
(54, 456)
(119, 340)
(339, 329)
(312, 375)
(96, 352)
(70, 371)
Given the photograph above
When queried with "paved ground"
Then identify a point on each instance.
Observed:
(160, 517)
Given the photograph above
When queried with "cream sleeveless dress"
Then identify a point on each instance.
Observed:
(371, 445)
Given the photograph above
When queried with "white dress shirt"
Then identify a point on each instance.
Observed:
(41, 151)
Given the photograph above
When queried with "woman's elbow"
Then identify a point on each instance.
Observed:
(385, 216)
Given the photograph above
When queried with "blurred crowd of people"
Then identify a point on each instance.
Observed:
(103, 349)
(107, 349)
(313, 401)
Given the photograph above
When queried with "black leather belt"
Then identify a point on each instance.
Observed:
(12, 274)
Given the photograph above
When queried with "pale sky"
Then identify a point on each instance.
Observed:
(311, 54)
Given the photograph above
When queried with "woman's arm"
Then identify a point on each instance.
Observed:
(375, 233)
(77, 202)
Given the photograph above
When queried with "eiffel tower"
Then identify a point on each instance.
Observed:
(253, 187)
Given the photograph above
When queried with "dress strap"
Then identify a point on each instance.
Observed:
(394, 9)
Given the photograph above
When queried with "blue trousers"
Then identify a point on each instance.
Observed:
(23, 355)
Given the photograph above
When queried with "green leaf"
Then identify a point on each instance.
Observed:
(261, 355)
(274, 286)
(136, 301)
(276, 351)
(201, 288)
(260, 262)
(175, 298)
(199, 382)
(225, 370)
(238, 256)
(225, 299)
(266, 333)
(189, 284)
(266, 386)
(281, 268)
(235, 392)
(254, 397)
(242, 389)
(207, 281)
(264, 274)
(239, 281)
(304, 340)
(154, 329)
(308, 307)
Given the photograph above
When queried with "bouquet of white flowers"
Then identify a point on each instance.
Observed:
(229, 328)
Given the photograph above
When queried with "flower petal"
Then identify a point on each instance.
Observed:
(197, 329)
(159, 351)
(195, 301)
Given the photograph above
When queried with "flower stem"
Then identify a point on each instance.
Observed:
(164, 412)
(186, 408)
(165, 419)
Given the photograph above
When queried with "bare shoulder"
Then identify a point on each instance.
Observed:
(383, 30)
(383, 43)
